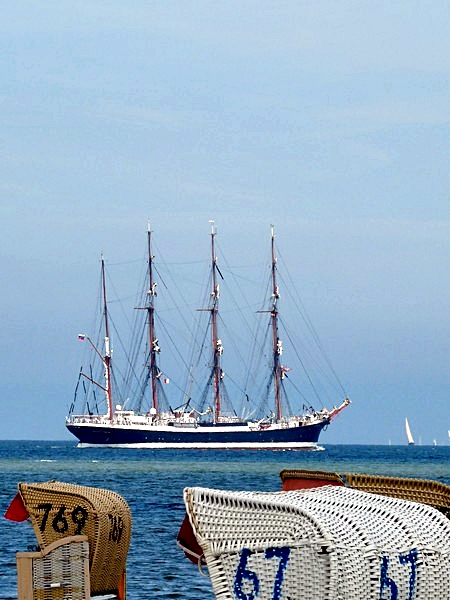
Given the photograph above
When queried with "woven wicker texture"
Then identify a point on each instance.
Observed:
(60, 509)
(326, 543)
(325, 476)
(60, 572)
(417, 490)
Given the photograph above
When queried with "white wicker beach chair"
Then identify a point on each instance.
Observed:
(326, 543)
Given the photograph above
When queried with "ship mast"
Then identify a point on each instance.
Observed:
(277, 343)
(107, 356)
(217, 346)
(153, 341)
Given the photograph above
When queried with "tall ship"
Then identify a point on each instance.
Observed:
(108, 417)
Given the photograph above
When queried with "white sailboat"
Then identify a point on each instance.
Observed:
(409, 435)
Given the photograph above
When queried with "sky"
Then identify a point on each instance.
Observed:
(329, 120)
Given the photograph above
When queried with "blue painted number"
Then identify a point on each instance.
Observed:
(242, 574)
(410, 558)
(283, 554)
(389, 584)
(245, 578)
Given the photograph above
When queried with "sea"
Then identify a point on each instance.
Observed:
(152, 482)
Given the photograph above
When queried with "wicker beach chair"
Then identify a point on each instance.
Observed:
(60, 510)
(324, 543)
(417, 490)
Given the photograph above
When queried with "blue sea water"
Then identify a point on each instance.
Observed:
(152, 482)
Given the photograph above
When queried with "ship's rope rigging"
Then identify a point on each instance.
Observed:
(292, 291)
(138, 374)
(133, 381)
(242, 340)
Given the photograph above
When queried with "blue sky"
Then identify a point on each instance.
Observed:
(328, 119)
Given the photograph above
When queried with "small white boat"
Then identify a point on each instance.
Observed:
(409, 435)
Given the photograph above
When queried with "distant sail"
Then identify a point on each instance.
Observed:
(409, 435)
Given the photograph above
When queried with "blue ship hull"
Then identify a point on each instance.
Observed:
(210, 436)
